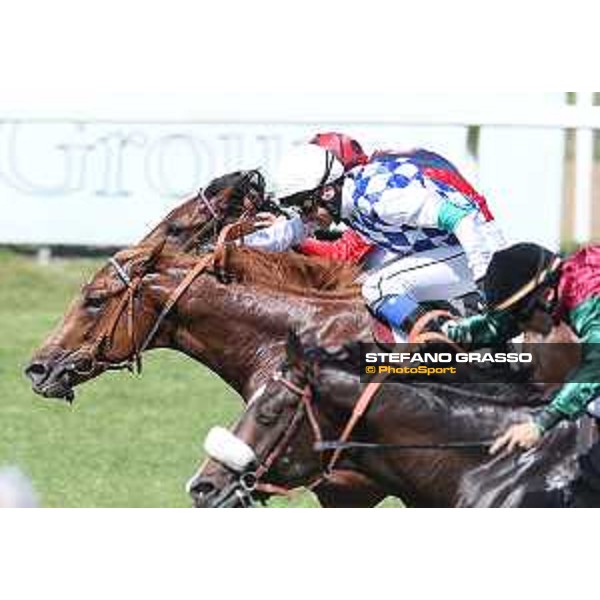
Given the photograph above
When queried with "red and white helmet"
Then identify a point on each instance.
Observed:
(306, 168)
(346, 149)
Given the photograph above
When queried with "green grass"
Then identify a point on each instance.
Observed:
(127, 440)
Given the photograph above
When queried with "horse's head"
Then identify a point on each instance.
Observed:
(196, 223)
(270, 449)
(103, 327)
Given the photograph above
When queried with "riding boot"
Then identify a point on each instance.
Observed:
(399, 313)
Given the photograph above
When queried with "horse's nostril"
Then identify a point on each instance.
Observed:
(84, 365)
(37, 371)
(202, 488)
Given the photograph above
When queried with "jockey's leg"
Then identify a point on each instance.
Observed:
(395, 290)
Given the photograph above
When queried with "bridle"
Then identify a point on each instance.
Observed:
(219, 214)
(249, 482)
(216, 262)
(91, 355)
(242, 489)
(203, 200)
(127, 303)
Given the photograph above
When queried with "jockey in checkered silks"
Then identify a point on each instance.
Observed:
(423, 231)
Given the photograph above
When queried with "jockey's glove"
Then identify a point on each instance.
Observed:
(438, 325)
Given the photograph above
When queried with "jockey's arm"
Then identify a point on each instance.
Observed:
(287, 233)
(584, 383)
(351, 247)
(280, 236)
(479, 239)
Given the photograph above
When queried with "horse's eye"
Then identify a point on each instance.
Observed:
(270, 411)
(175, 229)
(94, 302)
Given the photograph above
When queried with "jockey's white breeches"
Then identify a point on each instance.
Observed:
(439, 274)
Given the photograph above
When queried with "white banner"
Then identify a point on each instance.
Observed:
(102, 183)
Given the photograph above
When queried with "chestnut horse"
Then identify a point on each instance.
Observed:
(435, 435)
(237, 328)
(194, 226)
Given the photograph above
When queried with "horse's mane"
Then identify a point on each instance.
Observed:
(293, 272)
(505, 394)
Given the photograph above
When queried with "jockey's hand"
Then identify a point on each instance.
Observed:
(522, 435)
(439, 324)
(436, 325)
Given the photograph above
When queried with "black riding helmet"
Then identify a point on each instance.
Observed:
(518, 277)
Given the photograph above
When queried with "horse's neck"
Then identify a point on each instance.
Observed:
(404, 414)
(239, 331)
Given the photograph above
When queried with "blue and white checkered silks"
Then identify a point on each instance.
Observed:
(394, 205)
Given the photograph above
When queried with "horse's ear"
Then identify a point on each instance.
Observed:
(294, 349)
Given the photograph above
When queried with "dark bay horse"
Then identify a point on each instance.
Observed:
(313, 398)
(237, 328)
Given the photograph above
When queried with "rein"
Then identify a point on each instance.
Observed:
(418, 334)
(200, 266)
(306, 406)
(218, 215)
(233, 231)
(337, 445)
